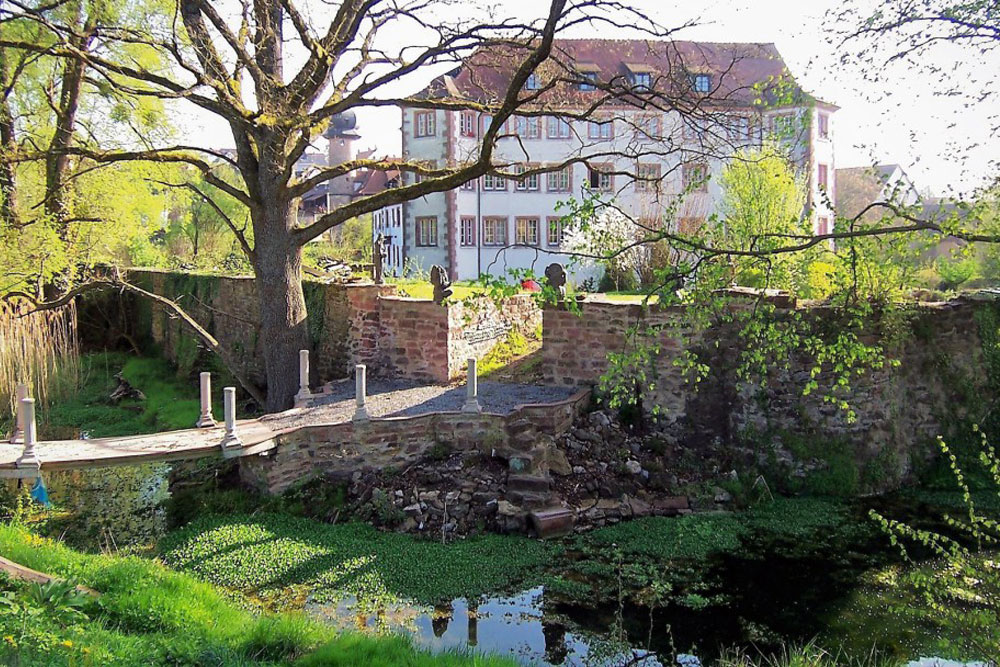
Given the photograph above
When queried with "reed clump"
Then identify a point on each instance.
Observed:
(40, 349)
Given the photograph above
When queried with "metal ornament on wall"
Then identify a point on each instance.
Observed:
(555, 275)
(441, 283)
(379, 252)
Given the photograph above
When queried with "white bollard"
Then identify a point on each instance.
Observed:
(28, 457)
(21, 393)
(360, 389)
(304, 393)
(206, 420)
(230, 439)
(472, 388)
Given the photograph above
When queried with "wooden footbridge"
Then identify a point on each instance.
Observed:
(26, 457)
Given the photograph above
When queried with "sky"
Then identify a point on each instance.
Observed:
(888, 114)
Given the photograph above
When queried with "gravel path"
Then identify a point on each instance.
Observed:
(397, 398)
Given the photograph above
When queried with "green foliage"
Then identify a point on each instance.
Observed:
(809, 655)
(956, 271)
(170, 404)
(267, 553)
(963, 586)
(390, 652)
(762, 198)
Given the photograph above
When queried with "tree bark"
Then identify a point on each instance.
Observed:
(57, 159)
(278, 271)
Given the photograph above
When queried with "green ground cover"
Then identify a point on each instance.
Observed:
(171, 403)
(148, 614)
(265, 555)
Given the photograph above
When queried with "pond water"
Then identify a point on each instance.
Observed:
(519, 626)
(759, 600)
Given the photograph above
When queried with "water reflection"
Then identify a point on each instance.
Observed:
(110, 508)
(514, 626)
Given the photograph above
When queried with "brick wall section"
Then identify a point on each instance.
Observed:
(341, 450)
(361, 323)
(413, 340)
(901, 407)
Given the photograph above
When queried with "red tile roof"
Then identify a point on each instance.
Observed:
(743, 74)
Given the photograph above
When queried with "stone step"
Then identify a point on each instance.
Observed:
(528, 483)
(552, 522)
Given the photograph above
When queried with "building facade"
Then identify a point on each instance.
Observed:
(659, 166)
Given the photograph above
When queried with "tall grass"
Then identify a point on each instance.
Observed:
(39, 349)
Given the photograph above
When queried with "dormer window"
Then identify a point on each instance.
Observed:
(533, 82)
(641, 75)
(701, 83)
(588, 76)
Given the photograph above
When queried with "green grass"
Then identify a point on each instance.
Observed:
(422, 289)
(170, 403)
(264, 555)
(513, 347)
(149, 614)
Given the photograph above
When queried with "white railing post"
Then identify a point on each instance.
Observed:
(304, 393)
(29, 458)
(206, 420)
(230, 439)
(360, 389)
(472, 388)
(21, 393)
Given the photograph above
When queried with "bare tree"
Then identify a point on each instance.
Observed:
(237, 66)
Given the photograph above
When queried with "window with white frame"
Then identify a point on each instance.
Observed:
(701, 83)
(467, 124)
(649, 126)
(492, 182)
(647, 177)
(783, 126)
(558, 128)
(554, 233)
(424, 122)
(427, 231)
(559, 181)
(823, 125)
(642, 80)
(601, 179)
(529, 127)
(534, 82)
(469, 185)
(526, 231)
(739, 128)
(694, 177)
(528, 183)
(494, 231)
(589, 81)
(600, 129)
(467, 235)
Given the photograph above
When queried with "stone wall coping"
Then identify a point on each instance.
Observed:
(572, 400)
(804, 305)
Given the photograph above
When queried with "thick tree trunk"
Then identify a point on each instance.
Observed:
(57, 159)
(278, 270)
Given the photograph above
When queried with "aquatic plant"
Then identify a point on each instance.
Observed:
(963, 586)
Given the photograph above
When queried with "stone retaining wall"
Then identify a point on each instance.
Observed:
(348, 324)
(895, 412)
(522, 438)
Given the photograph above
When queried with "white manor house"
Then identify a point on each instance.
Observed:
(658, 161)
